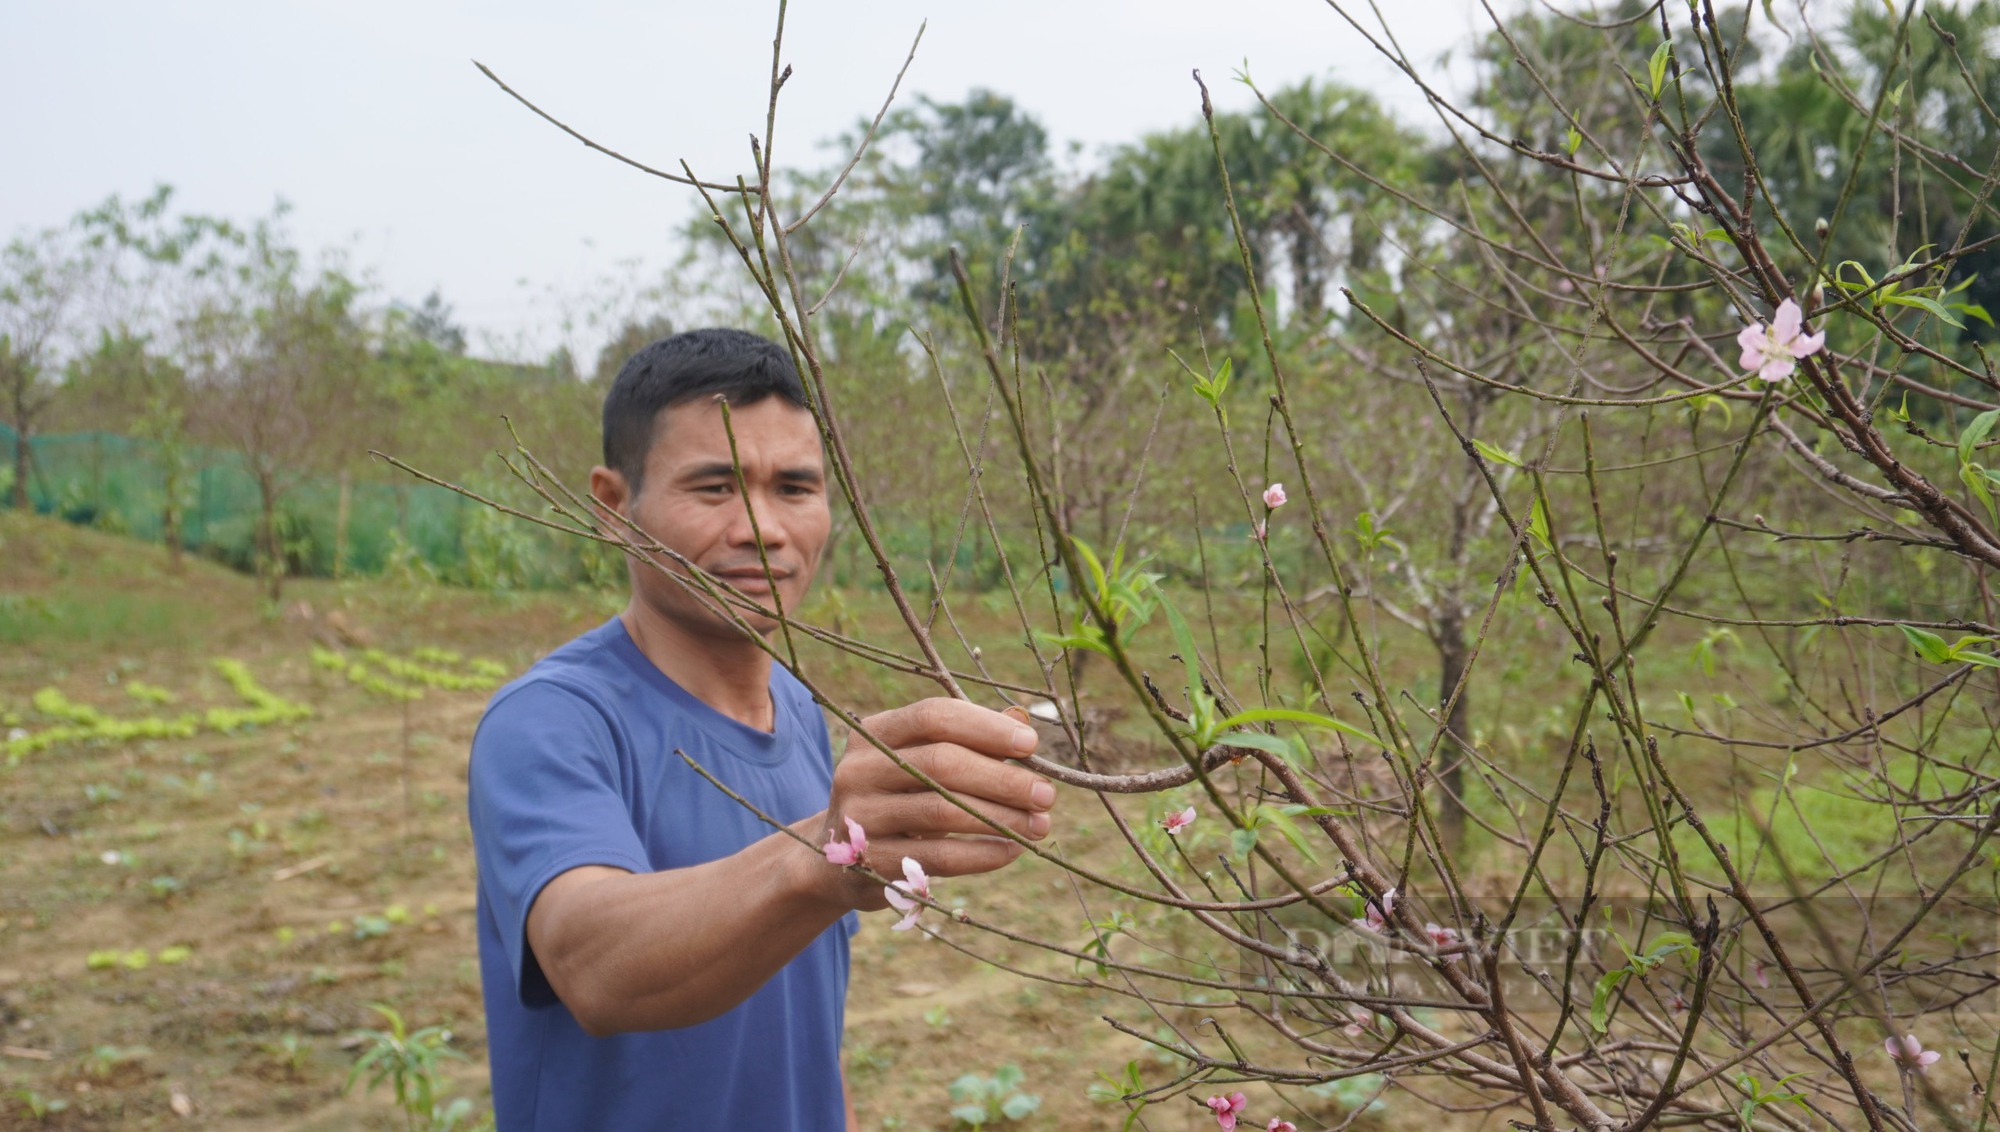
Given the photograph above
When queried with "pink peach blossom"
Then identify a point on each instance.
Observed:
(1227, 1108)
(1378, 917)
(914, 883)
(851, 851)
(1178, 820)
(1909, 1054)
(1278, 1125)
(1442, 938)
(1774, 353)
(1274, 496)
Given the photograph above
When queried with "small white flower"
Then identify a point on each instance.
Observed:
(1775, 352)
(899, 894)
(16, 734)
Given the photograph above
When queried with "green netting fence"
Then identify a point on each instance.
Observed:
(120, 483)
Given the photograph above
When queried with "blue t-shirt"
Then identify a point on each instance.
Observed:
(574, 764)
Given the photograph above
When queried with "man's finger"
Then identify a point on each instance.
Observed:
(926, 814)
(941, 720)
(957, 769)
(943, 857)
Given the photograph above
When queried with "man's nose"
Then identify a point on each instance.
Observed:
(767, 523)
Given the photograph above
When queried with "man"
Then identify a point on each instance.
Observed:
(652, 954)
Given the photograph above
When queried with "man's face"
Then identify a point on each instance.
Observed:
(691, 502)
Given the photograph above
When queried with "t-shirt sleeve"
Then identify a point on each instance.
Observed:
(544, 799)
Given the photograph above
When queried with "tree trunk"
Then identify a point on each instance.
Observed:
(170, 529)
(1454, 654)
(21, 470)
(170, 516)
(340, 525)
(270, 557)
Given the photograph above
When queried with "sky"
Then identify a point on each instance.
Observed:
(368, 116)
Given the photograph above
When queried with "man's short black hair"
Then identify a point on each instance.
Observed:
(682, 367)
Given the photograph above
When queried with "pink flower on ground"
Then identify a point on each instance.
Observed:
(915, 883)
(1378, 917)
(1274, 496)
(1278, 1125)
(1179, 820)
(1227, 1108)
(1775, 352)
(848, 852)
(1909, 1054)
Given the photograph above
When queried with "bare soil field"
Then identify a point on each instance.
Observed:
(203, 894)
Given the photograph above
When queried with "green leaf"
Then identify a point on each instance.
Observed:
(1600, 999)
(1092, 641)
(1975, 434)
(1977, 478)
(1278, 745)
(1280, 819)
(1293, 715)
(1020, 1106)
(1538, 523)
(1928, 304)
(1707, 401)
(1656, 68)
(1497, 454)
(1242, 841)
(1091, 563)
(1212, 388)
(973, 1114)
(1929, 645)
(1665, 944)
(1572, 141)
(1184, 643)
(1200, 706)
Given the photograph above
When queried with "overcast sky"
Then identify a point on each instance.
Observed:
(367, 115)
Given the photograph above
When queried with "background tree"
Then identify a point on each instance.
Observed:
(277, 359)
(45, 283)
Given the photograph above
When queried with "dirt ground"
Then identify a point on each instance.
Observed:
(192, 927)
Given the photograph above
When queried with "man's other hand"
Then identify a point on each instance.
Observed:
(970, 751)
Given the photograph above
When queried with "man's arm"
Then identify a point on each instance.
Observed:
(632, 951)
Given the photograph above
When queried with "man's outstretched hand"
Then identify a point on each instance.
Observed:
(970, 751)
(617, 947)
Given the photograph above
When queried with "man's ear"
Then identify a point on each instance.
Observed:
(608, 486)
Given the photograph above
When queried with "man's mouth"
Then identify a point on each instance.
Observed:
(752, 577)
